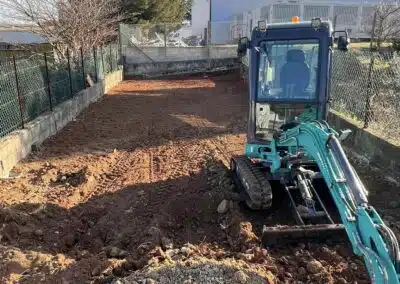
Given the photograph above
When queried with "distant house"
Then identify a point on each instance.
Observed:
(355, 16)
(9, 39)
(14, 41)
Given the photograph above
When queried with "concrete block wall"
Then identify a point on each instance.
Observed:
(133, 55)
(18, 144)
(144, 70)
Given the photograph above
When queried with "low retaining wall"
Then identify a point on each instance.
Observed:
(18, 144)
(372, 149)
(113, 79)
(134, 55)
(145, 70)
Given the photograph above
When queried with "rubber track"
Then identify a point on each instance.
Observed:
(259, 189)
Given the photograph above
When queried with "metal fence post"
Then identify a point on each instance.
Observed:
(165, 40)
(116, 59)
(70, 73)
(111, 65)
(83, 69)
(95, 63)
(121, 58)
(21, 109)
(368, 109)
(48, 82)
(102, 60)
(209, 39)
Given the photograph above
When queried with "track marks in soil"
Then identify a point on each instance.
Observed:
(168, 174)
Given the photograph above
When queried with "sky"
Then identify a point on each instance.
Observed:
(221, 11)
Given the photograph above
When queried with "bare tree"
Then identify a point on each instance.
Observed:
(67, 24)
(386, 22)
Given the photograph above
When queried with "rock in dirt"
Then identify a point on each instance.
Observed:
(186, 251)
(394, 204)
(353, 266)
(38, 233)
(155, 234)
(96, 271)
(166, 243)
(145, 247)
(114, 252)
(223, 207)
(245, 256)
(301, 271)
(69, 240)
(314, 266)
(122, 253)
(127, 265)
(150, 281)
(241, 277)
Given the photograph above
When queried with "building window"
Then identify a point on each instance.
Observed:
(345, 15)
(312, 11)
(265, 13)
(284, 12)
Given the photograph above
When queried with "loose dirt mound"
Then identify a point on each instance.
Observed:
(137, 177)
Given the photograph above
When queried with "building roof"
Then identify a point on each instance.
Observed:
(20, 37)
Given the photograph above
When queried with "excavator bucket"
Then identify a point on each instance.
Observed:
(286, 234)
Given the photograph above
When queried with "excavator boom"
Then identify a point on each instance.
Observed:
(369, 236)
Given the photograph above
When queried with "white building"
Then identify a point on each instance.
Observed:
(356, 16)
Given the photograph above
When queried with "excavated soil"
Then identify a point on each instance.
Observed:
(137, 190)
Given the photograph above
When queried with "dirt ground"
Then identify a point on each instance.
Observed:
(128, 193)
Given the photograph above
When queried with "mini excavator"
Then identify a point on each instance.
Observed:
(289, 142)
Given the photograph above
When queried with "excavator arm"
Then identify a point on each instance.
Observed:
(368, 234)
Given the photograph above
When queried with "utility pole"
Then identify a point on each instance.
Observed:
(210, 9)
(209, 31)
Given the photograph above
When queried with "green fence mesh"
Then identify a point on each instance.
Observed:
(38, 82)
(10, 118)
(32, 84)
(60, 87)
(366, 88)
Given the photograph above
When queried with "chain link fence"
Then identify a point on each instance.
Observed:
(31, 85)
(366, 88)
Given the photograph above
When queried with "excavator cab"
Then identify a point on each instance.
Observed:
(289, 75)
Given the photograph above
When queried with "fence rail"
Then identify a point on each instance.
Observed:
(33, 84)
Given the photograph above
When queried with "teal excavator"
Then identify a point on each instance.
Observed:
(290, 143)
